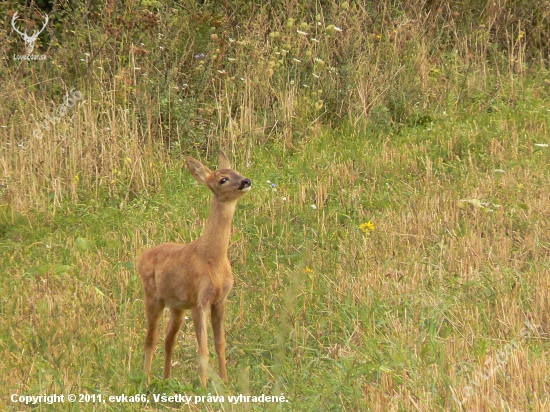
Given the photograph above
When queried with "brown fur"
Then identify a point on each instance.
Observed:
(196, 275)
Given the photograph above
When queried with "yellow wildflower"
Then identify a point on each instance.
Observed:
(367, 227)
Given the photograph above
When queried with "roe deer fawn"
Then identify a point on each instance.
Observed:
(196, 275)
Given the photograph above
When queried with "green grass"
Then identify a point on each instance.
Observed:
(332, 318)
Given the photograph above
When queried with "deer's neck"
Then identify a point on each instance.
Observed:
(214, 240)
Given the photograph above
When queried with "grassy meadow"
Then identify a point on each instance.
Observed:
(392, 255)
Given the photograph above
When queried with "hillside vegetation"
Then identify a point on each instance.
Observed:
(393, 254)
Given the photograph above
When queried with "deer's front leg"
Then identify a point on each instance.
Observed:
(199, 320)
(217, 315)
(176, 320)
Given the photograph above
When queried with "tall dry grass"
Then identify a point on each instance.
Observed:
(162, 78)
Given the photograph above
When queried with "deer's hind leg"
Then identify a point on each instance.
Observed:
(153, 312)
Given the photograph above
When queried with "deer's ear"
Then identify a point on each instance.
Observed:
(223, 162)
(199, 171)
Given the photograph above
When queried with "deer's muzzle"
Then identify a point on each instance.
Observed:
(245, 184)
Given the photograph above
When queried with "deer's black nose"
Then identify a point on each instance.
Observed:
(245, 183)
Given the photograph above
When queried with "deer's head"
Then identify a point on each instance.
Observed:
(226, 184)
(29, 40)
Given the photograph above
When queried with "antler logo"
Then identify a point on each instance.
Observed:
(29, 40)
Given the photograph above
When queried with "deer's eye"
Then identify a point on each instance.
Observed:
(223, 180)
